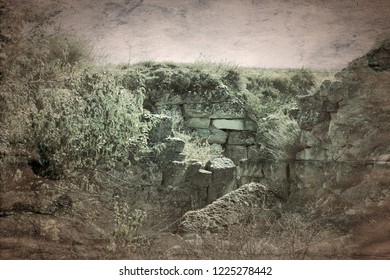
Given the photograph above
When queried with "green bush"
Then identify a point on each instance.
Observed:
(94, 121)
(31, 60)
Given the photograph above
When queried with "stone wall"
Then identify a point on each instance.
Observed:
(214, 115)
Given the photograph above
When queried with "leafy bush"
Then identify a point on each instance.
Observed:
(32, 60)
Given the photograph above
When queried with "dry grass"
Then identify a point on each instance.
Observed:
(290, 237)
(197, 148)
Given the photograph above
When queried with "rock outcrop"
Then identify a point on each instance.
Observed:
(239, 206)
(345, 166)
(348, 119)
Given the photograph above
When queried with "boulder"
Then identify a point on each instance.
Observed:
(236, 207)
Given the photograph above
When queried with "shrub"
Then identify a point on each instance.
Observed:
(304, 81)
(93, 122)
(197, 148)
(32, 60)
(279, 134)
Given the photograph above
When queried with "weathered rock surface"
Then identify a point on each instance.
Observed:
(348, 120)
(224, 173)
(344, 167)
(236, 207)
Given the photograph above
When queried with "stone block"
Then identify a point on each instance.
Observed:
(217, 148)
(254, 152)
(250, 125)
(234, 124)
(199, 183)
(228, 110)
(224, 173)
(193, 167)
(198, 110)
(198, 122)
(236, 152)
(217, 136)
(203, 132)
(174, 173)
(202, 178)
(174, 144)
(241, 138)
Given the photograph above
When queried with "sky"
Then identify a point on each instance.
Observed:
(319, 34)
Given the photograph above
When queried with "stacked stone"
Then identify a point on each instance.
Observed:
(216, 116)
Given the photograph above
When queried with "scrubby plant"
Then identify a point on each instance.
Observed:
(304, 80)
(94, 121)
(197, 148)
(279, 135)
(127, 222)
(33, 59)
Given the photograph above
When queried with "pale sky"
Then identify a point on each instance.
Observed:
(322, 34)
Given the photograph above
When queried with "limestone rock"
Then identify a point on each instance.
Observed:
(348, 120)
(217, 148)
(161, 127)
(198, 110)
(228, 110)
(253, 152)
(234, 124)
(217, 136)
(174, 173)
(198, 122)
(174, 144)
(172, 148)
(241, 138)
(172, 111)
(233, 208)
(250, 125)
(236, 152)
(224, 173)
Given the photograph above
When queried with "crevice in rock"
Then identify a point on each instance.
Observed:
(288, 178)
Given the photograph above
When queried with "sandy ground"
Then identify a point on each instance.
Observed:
(261, 33)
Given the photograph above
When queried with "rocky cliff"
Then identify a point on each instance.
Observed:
(345, 165)
(348, 119)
